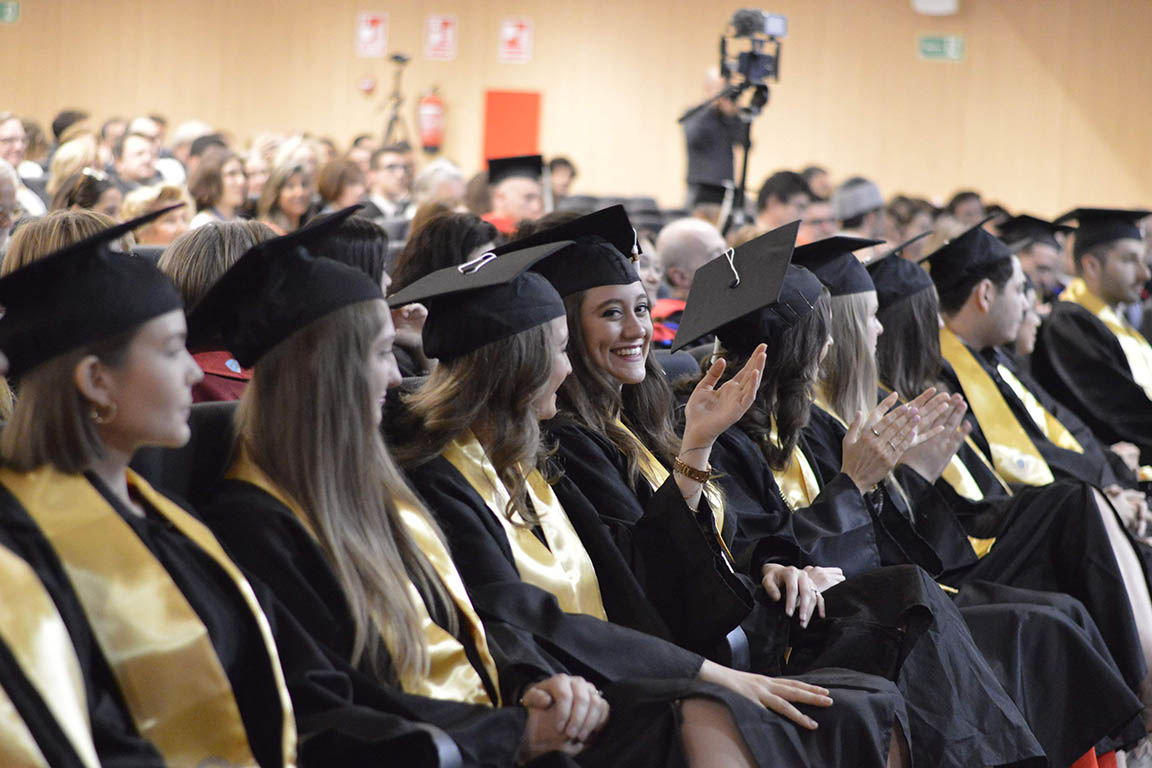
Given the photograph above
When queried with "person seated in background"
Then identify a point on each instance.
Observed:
(390, 184)
(217, 185)
(439, 182)
(561, 174)
(818, 181)
(859, 207)
(684, 246)
(134, 162)
(966, 207)
(194, 262)
(905, 218)
(783, 198)
(90, 188)
(166, 228)
(9, 208)
(1039, 244)
(341, 185)
(819, 221)
(360, 152)
(286, 198)
(13, 146)
(517, 194)
(71, 157)
(38, 237)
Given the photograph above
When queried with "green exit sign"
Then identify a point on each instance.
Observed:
(941, 47)
(9, 11)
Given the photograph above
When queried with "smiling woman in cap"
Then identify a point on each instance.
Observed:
(534, 553)
(103, 374)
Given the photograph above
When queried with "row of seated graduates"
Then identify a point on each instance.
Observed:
(679, 362)
(205, 407)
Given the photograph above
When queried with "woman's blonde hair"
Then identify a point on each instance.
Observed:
(147, 199)
(71, 157)
(307, 420)
(494, 386)
(198, 258)
(37, 238)
(848, 380)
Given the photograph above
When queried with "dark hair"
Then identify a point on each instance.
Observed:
(396, 148)
(159, 119)
(444, 241)
(360, 243)
(908, 352)
(561, 162)
(118, 147)
(108, 123)
(812, 170)
(781, 186)
(65, 120)
(361, 138)
(477, 196)
(206, 184)
(953, 297)
(904, 209)
(335, 176)
(202, 144)
(82, 190)
(595, 399)
(960, 198)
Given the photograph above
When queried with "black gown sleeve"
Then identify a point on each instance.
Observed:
(598, 650)
(1082, 364)
(836, 528)
(673, 552)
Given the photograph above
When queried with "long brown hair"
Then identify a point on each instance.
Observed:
(848, 374)
(308, 423)
(788, 385)
(595, 399)
(494, 386)
(908, 356)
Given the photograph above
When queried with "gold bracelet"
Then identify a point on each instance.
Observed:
(698, 475)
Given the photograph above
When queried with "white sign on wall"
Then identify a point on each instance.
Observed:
(516, 39)
(372, 35)
(441, 37)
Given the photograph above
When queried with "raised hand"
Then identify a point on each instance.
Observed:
(930, 456)
(711, 409)
(875, 443)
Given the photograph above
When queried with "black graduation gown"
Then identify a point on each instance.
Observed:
(1081, 363)
(856, 730)
(1092, 466)
(113, 731)
(951, 692)
(674, 553)
(1053, 541)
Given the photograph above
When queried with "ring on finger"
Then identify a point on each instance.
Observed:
(875, 432)
(892, 445)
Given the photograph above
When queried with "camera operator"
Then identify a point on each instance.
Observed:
(710, 134)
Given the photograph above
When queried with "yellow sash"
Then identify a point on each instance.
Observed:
(33, 631)
(980, 546)
(563, 567)
(450, 675)
(1014, 455)
(797, 482)
(158, 648)
(656, 474)
(1044, 421)
(1136, 349)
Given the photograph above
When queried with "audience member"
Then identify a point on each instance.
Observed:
(341, 185)
(517, 194)
(9, 208)
(390, 184)
(709, 133)
(783, 197)
(966, 207)
(71, 157)
(13, 145)
(859, 206)
(218, 186)
(818, 181)
(819, 221)
(477, 195)
(110, 133)
(286, 198)
(166, 228)
(134, 162)
(561, 174)
(441, 181)
(92, 189)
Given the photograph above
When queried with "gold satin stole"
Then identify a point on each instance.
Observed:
(797, 482)
(31, 628)
(656, 474)
(450, 675)
(1137, 351)
(159, 650)
(1014, 455)
(563, 567)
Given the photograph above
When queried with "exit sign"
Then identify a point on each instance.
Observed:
(941, 47)
(9, 11)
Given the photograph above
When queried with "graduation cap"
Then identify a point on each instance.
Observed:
(520, 166)
(899, 249)
(896, 278)
(80, 294)
(276, 288)
(1024, 230)
(484, 300)
(749, 293)
(1096, 226)
(832, 261)
(972, 253)
(603, 251)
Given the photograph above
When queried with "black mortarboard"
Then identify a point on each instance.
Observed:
(278, 287)
(1024, 230)
(485, 300)
(78, 295)
(896, 278)
(970, 254)
(899, 249)
(729, 292)
(526, 166)
(1096, 226)
(832, 261)
(604, 245)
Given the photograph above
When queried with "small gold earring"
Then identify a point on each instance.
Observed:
(102, 418)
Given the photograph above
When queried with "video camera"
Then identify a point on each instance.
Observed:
(760, 60)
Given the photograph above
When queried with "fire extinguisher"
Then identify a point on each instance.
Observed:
(431, 116)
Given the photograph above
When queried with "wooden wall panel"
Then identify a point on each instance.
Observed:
(1051, 106)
